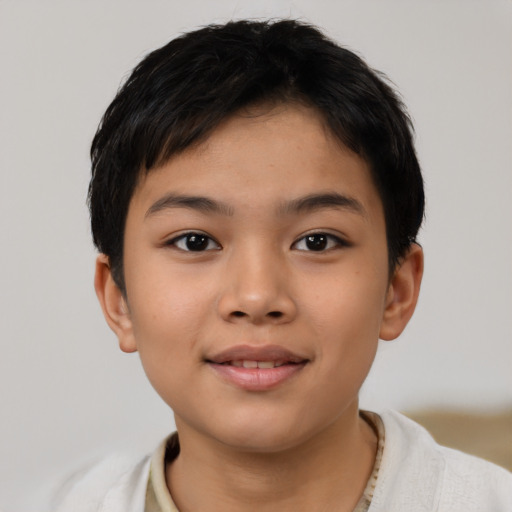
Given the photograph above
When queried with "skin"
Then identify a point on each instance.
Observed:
(300, 445)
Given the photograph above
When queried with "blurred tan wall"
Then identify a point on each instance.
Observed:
(485, 435)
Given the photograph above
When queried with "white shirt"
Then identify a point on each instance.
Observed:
(416, 475)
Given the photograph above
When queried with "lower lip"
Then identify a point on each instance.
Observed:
(257, 379)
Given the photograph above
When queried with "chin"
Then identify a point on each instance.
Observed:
(268, 443)
(267, 436)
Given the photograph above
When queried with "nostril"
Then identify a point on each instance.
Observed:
(238, 314)
(275, 314)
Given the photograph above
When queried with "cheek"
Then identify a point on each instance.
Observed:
(167, 319)
(166, 330)
(346, 313)
(164, 295)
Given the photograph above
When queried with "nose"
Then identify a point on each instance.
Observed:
(257, 289)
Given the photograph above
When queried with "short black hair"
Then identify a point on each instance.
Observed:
(180, 93)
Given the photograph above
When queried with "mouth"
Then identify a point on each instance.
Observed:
(256, 368)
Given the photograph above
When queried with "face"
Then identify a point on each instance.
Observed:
(257, 283)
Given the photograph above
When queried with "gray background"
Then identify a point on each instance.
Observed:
(67, 393)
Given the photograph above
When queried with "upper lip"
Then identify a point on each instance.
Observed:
(260, 353)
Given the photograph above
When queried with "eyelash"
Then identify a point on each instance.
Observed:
(324, 242)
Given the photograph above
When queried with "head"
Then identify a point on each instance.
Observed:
(256, 198)
(179, 94)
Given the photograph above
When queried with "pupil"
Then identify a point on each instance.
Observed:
(316, 242)
(196, 242)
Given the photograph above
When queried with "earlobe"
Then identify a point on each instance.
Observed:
(402, 294)
(113, 303)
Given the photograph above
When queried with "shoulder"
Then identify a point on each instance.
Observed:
(474, 483)
(417, 474)
(115, 484)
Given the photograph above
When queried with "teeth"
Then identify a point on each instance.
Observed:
(246, 363)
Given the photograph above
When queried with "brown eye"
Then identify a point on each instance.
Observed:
(194, 242)
(318, 242)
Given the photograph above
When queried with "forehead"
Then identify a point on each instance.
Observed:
(261, 155)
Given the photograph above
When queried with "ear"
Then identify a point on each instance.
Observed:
(114, 305)
(402, 295)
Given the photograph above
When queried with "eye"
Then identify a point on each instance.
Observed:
(194, 242)
(318, 242)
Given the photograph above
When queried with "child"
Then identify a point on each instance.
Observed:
(255, 200)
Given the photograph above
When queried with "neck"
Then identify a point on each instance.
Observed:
(328, 471)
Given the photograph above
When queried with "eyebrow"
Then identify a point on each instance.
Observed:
(314, 202)
(199, 203)
(303, 204)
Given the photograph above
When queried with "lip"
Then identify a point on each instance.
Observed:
(260, 353)
(257, 379)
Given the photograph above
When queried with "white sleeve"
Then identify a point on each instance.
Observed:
(116, 484)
